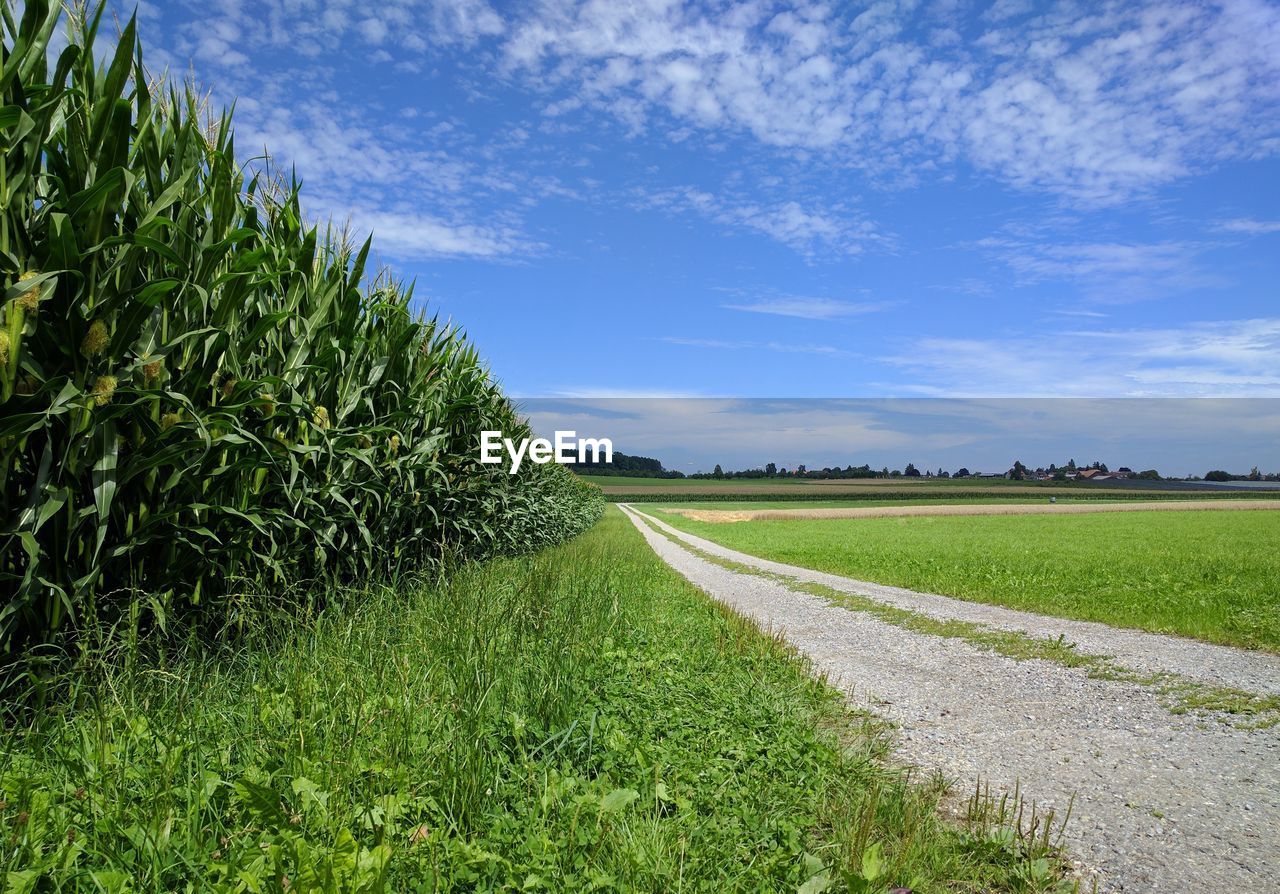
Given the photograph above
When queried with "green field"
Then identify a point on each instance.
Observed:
(713, 484)
(730, 505)
(271, 626)
(1210, 575)
(578, 719)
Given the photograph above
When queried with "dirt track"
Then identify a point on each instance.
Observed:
(729, 515)
(1161, 803)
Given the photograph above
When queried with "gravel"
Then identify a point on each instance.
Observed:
(1162, 803)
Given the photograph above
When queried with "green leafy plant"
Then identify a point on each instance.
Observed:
(200, 395)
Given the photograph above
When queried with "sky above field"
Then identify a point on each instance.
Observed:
(985, 199)
(1176, 436)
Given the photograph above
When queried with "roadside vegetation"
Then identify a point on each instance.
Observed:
(1211, 575)
(578, 719)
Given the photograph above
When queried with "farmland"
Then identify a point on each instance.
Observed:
(1206, 574)
(269, 625)
(742, 503)
(582, 717)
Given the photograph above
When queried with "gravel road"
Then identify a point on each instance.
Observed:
(1163, 803)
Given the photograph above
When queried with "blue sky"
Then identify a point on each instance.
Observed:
(1176, 436)
(935, 199)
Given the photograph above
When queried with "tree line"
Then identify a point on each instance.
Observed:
(648, 467)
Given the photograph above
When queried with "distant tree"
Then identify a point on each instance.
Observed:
(718, 472)
(1071, 465)
(962, 472)
(1147, 475)
(1218, 475)
(1060, 474)
(1254, 474)
(911, 471)
(1019, 471)
(942, 473)
(800, 469)
(770, 469)
(895, 474)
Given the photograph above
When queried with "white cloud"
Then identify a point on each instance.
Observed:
(1233, 358)
(1250, 226)
(595, 392)
(808, 231)
(1107, 271)
(808, 308)
(781, 347)
(1175, 436)
(1092, 104)
(381, 182)
(1095, 314)
(313, 26)
(407, 234)
(374, 31)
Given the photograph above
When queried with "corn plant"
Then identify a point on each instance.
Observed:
(201, 395)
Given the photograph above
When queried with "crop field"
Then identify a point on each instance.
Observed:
(782, 505)
(1212, 575)
(579, 718)
(269, 625)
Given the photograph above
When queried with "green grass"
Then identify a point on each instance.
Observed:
(1180, 694)
(578, 719)
(858, 483)
(1209, 575)
(945, 499)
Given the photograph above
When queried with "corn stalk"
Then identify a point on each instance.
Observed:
(199, 394)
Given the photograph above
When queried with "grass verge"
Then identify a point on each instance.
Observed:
(1178, 693)
(580, 719)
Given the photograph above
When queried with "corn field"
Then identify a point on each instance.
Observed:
(201, 396)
